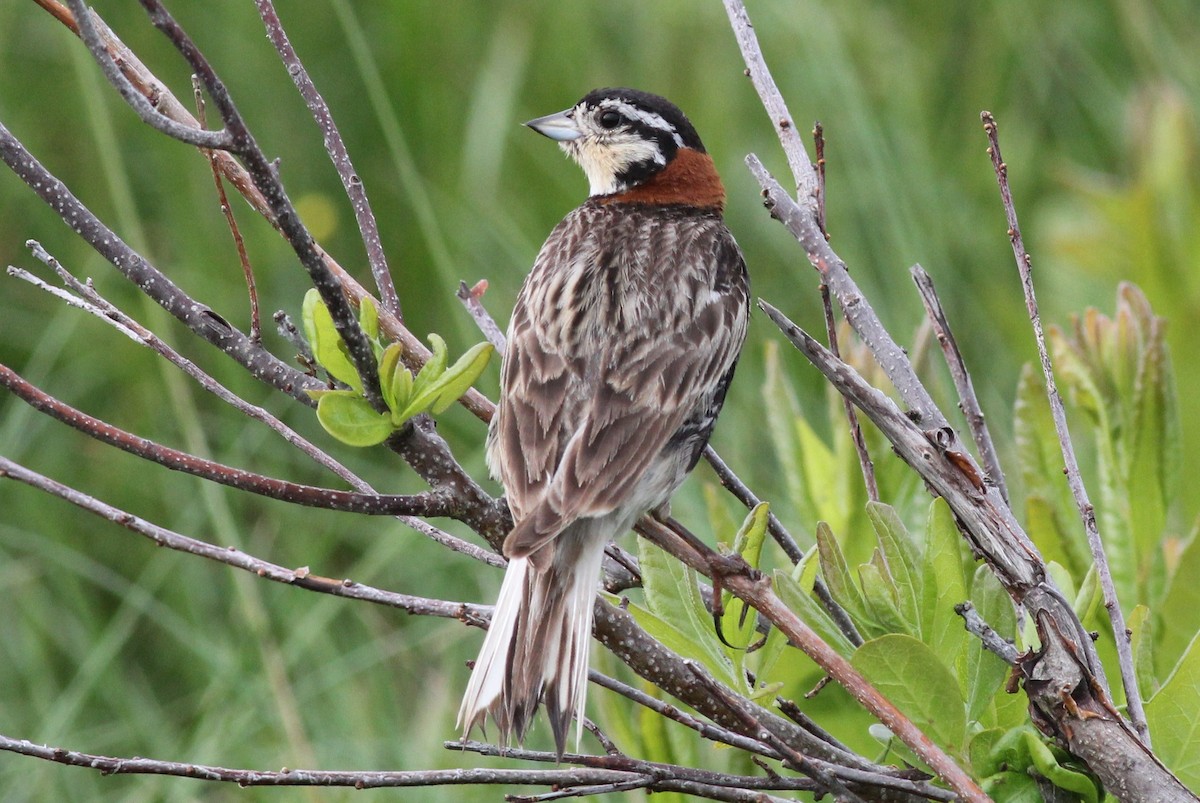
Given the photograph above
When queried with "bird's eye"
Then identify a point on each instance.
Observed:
(609, 119)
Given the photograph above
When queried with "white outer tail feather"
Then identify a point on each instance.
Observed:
(564, 659)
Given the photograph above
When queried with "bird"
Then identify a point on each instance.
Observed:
(620, 349)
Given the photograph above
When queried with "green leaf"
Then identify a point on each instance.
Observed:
(943, 586)
(673, 597)
(1046, 763)
(1051, 514)
(802, 603)
(326, 343)
(1180, 607)
(388, 363)
(1174, 725)
(368, 318)
(1142, 644)
(986, 673)
(881, 595)
(348, 417)
(434, 367)
(916, 680)
(900, 554)
(837, 574)
(402, 392)
(462, 375)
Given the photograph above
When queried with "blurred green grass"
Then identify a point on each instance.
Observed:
(113, 646)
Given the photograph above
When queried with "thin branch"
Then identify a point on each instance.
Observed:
(217, 140)
(358, 779)
(371, 504)
(1064, 678)
(969, 402)
(199, 318)
(336, 148)
(302, 577)
(756, 590)
(415, 353)
(231, 222)
(865, 463)
(772, 100)
(471, 299)
(92, 302)
(706, 729)
(1133, 697)
(992, 641)
(266, 179)
(825, 780)
(734, 484)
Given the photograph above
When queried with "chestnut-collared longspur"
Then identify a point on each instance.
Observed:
(620, 349)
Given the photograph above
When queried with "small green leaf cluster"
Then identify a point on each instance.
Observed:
(346, 414)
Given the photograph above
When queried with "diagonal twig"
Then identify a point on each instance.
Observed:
(352, 183)
(1133, 697)
(962, 380)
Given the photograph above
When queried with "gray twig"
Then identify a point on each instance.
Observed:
(336, 148)
(992, 641)
(1133, 697)
(470, 298)
(302, 577)
(962, 380)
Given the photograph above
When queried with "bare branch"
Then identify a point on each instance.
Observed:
(358, 779)
(338, 154)
(97, 305)
(1064, 680)
(371, 504)
(302, 577)
(199, 318)
(962, 380)
(1133, 697)
(219, 140)
(231, 222)
(470, 298)
(992, 641)
(267, 181)
(706, 729)
(756, 590)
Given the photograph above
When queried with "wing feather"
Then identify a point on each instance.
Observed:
(605, 366)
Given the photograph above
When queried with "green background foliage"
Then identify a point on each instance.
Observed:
(113, 646)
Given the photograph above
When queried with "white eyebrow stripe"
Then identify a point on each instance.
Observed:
(649, 119)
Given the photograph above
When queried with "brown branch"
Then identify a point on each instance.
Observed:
(1133, 697)
(415, 352)
(301, 578)
(371, 504)
(757, 592)
(968, 401)
(231, 222)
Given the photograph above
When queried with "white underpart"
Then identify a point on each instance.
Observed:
(602, 162)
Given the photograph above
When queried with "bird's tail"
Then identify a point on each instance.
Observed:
(537, 646)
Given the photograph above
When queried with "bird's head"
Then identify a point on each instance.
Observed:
(635, 147)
